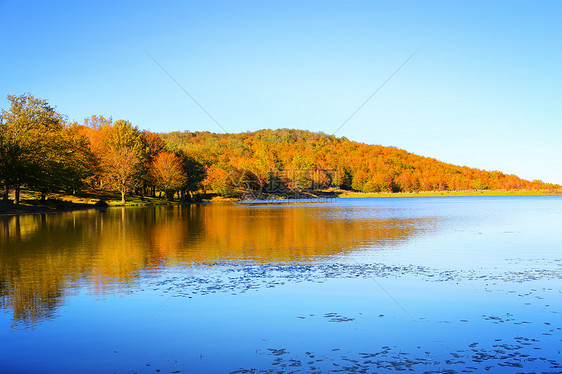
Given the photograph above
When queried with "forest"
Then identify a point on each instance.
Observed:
(42, 151)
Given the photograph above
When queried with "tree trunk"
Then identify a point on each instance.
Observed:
(17, 198)
(122, 197)
(6, 197)
(43, 196)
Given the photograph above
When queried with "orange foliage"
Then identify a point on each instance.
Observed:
(358, 166)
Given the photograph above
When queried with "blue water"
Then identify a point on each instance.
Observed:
(467, 284)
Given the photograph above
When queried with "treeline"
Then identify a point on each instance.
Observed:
(304, 159)
(41, 150)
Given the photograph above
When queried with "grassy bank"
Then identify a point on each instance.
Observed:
(30, 202)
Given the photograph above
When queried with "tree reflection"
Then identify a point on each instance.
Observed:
(45, 258)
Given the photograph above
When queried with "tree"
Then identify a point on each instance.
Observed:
(407, 182)
(152, 145)
(478, 184)
(11, 163)
(30, 149)
(218, 180)
(195, 174)
(64, 164)
(359, 179)
(80, 160)
(167, 174)
(121, 169)
(379, 182)
(110, 141)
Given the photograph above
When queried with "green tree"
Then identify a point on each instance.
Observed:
(30, 144)
(64, 164)
(195, 174)
(478, 184)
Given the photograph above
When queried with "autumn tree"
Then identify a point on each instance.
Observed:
(217, 179)
(152, 145)
(167, 174)
(378, 182)
(121, 170)
(359, 179)
(119, 153)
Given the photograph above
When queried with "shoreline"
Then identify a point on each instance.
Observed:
(347, 195)
(65, 206)
(11, 209)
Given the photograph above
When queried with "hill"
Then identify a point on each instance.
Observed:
(287, 159)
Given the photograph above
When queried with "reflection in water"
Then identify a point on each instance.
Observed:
(44, 258)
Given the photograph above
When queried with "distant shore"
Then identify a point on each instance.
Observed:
(452, 193)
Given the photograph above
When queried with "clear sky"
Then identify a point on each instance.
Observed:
(483, 90)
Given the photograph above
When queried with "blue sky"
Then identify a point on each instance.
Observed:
(483, 90)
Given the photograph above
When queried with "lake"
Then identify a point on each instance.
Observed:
(424, 285)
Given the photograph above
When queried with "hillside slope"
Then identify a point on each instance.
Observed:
(304, 160)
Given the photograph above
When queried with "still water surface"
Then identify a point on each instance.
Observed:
(467, 284)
